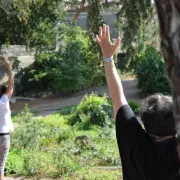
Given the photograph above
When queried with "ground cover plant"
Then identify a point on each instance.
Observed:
(71, 143)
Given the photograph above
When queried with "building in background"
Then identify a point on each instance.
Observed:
(109, 17)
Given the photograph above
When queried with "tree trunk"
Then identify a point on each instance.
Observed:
(169, 20)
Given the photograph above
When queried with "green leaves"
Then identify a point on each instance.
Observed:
(92, 110)
(151, 73)
(50, 147)
(68, 70)
(31, 23)
(94, 19)
(136, 22)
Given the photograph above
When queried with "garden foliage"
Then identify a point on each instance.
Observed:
(30, 23)
(70, 69)
(52, 147)
(150, 72)
(92, 110)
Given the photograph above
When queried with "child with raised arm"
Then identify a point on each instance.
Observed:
(5, 117)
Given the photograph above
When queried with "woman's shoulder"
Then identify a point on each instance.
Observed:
(4, 98)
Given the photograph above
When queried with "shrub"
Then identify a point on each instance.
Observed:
(107, 132)
(64, 134)
(37, 163)
(67, 110)
(150, 72)
(134, 105)
(81, 121)
(98, 174)
(55, 120)
(66, 165)
(24, 116)
(93, 110)
(68, 70)
(107, 157)
(32, 135)
(15, 163)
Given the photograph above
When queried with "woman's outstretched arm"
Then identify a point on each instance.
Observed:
(113, 80)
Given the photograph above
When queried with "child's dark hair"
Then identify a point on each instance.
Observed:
(3, 89)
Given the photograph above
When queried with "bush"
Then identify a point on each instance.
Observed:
(135, 106)
(28, 162)
(67, 110)
(15, 163)
(68, 70)
(93, 110)
(37, 163)
(64, 134)
(32, 135)
(81, 121)
(25, 116)
(150, 72)
(33, 132)
(96, 174)
(65, 164)
(108, 157)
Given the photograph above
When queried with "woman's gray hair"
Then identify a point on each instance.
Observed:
(157, 115)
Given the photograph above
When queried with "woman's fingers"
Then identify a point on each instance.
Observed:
(104, 29)
(97, 39)
(108, 32)
(100, 32)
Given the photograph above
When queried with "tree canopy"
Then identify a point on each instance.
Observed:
(30, 22)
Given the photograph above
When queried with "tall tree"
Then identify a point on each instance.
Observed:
(132, 17)
(94, 21)
(12, 14)
(169, 20)
(30, 22)
(94, 18)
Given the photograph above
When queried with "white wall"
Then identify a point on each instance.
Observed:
(25, 62)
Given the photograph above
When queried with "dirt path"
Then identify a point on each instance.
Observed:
(45, 106)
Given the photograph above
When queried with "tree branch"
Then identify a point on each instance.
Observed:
(85, 8)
